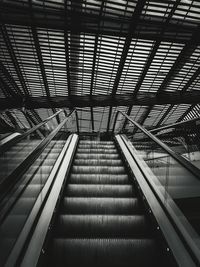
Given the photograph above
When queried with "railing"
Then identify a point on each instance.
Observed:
(173, 179)
(145, 135)
(29, 155)
(22, 182)
(33, 130)
(182, 137)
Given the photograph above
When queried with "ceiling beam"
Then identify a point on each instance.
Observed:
(8, 81)
(133, 24)
(14, 59)
(42, 69)
(150, 25)
(191, 80)
(92, 118)
(182, 58)
(142, 99)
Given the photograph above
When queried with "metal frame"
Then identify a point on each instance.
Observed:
(7, 183)
(100, 53)
(66, 152)
(34, 249)
(185, 163)
(24, 135)
(174, 125)
(153, 197)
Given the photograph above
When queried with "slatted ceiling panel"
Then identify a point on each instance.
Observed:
(25, 52)
(6, 118)
(194, 113)
(114, 9)
(2, 95)
(108, 56)
(155, 115)
(176, 112)
(20, 118)
(84, 118)
(164, 59)
(81, 62)
(136, 59)
(120, 118)
(100, 118)
(188, 10)
(195, 85)
(184, 74)
(52, 48)
(120, 8)
(158, 8)
(109, 21)
(137, 112)
(5, 58)
(20, 41)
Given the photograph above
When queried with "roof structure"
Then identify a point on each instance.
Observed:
(139, 56)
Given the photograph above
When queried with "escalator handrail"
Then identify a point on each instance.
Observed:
(185, 163)
(169, 209)
(8, 183)
(19, 138)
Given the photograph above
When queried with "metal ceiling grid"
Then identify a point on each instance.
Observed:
(109, 50)
(52, 49)
(136, 59)
(143, 55)
(175, 113)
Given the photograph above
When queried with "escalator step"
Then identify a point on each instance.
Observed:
(125, 206)
(102, 226)
(98, 169)
(98, 146)
(93, 190)
(99, 178)
(105, 252)
(96, 156)
(96, 150)
(98, 162)
(95, 142)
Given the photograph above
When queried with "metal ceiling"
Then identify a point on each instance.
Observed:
(141, 56)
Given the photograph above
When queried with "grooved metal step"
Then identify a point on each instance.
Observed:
(98, 178)
(98, 169)
(96, 190)
(105, 252)
(125, 206)
(96, 156)
(102, 226)
(98, 162)
(96, 150)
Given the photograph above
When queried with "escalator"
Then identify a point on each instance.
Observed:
(101, 218)
(102, 203)
(30, 186)
(29, 168)
(181, 184)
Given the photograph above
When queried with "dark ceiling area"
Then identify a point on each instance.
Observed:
(141, 57)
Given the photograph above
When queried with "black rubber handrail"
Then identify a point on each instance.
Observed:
(185, 163)
(183, 230)
(7, 185)
(14, 141)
